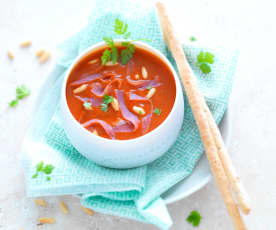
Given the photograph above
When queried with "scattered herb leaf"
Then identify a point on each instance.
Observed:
(203, 61)
(47, 169)
(120, 27)
(149, 87)
(114, 54)
(87, 105)
(107, 99)
(109, 41)
(21, 92)
(13, 103)
(194, 218)
(192, 39)
(157, 111)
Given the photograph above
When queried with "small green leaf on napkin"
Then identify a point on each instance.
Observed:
(203, 61)
(47, 169)
(194, 218)
(192, 39)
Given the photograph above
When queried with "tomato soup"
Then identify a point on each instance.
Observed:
(118, 101)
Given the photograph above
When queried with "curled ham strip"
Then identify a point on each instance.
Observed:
(146, 119)
(143, 84)
(107, 128)
(88, 79)
(127, 115)
(123, 127)
(93, 101)
(99, 91)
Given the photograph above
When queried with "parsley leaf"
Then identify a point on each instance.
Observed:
(47, 169)
(157, 111)
(127, 54)
(109, 41)
(120, 27)
(192, 39)
(194, 218)
(149, 87)
(104, 107)
(205, 68)
(106, 56)
(13, 102)
(87, 105)
(107, 99)
(114, 54)
(21, 92)
(203, 61)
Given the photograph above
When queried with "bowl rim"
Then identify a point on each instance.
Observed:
(142, 45)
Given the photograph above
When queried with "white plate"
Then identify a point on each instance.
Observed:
(200, 176)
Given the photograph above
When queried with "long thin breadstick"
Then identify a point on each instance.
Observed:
(195, 100)
(242, 196)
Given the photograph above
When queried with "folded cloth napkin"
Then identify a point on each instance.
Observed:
(133, 193)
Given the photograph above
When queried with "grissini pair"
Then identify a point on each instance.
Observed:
(220, 163)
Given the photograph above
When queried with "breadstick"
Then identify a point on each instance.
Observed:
(195, 100)
(242, 196)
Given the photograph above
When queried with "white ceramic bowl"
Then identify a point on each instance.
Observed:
(124, 153)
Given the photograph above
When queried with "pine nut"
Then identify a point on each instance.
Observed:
(44, 57)
(136, 76)
(40, 202)
(25, 43)
(144, 72)
(150, 93)
(47, 220)
(80, 89)
(93, 61)
(115, 104)
(63, 207)
(139, 110)
(10, 55)
(110, 63)
(87, 211)
(39, 53)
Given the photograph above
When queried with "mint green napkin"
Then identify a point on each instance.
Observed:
(133, 193)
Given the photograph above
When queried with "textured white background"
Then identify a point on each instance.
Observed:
(248, 25)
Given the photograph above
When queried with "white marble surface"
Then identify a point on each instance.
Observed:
(248, 25)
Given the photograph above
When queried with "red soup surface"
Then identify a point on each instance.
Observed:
(121, 101)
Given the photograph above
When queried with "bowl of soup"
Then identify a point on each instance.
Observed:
(122, 115)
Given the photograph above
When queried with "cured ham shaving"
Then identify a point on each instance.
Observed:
(106, 127)
(143, 84)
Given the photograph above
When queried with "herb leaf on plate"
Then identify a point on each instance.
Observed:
(194, 218)
(204, 59)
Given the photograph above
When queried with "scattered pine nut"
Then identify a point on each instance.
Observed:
(93, 61)
(144, 72)
(40, 202)
(110, 63)
(47, 220)
(25, 43)
(63, 207)
(138, 110)
(88, 211)
(95, 132)
(39, 53)
(136, 76)
(10, 55)
(44, 57)
(151, 93)
(115, 104)
(80, 89)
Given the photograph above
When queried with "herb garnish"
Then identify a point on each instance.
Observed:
(21, 92)
(192, 39)
(47, 169)
(203, 61)
(111, 53)
(149, 87)
(157, 111)
(194, 218)
(106, 100)
(87, 105)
